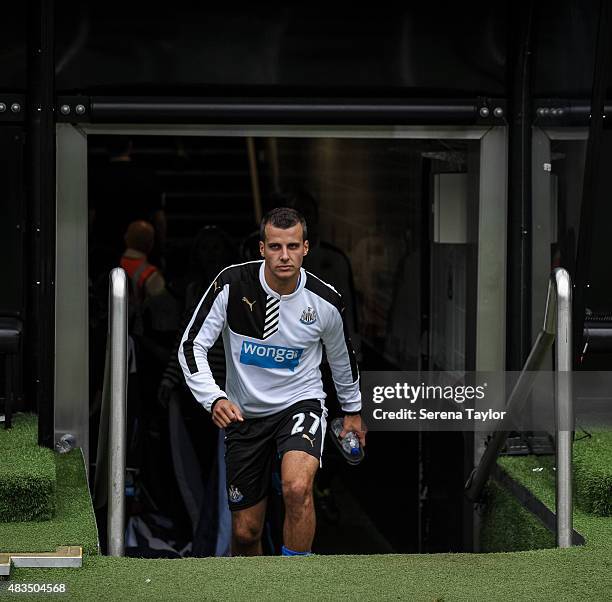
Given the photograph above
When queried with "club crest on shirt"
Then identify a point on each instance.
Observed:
(234, 494)
(309, 316)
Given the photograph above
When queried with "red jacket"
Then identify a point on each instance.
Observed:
(139, 270)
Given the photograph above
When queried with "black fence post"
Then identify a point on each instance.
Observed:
(40, 348)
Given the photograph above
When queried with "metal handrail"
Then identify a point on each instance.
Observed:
(112, 431)
(557, 323)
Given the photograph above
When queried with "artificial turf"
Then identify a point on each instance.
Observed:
(593, 473)
(27, 474)
(509, 527)
(42, 471)
(23, 433)
(577, 573)
(583, 572)
(73, 523)
(537, 474)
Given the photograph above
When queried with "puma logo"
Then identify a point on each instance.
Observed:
(305, 436)
(249, 303)
(217, 287)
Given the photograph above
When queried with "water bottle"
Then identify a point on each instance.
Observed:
(350, 443)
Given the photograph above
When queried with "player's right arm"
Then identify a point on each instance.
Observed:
(224, 412)
(203, 329)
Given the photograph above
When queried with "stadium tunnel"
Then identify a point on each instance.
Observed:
(407, 273)
(420, 218)
(403, 227)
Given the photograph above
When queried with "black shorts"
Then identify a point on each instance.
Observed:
(251, 446)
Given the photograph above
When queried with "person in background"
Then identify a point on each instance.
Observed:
(198, 454)
(145, 282)
(145, 279)
(212, 250)
(122, 190)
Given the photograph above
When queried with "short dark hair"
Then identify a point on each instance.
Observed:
(282, 217)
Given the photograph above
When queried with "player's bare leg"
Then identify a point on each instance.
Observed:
(247, 527)
(298, 470)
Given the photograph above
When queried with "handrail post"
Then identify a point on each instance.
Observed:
(557, 323)
(564, 408)
(118, 398)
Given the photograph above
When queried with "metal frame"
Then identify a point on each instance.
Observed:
(542, 236)
(291, 131)
(39, 183)
(541, 192)
(557, 324)
(492, 236)
(287, 110)
(71, 382)
(490, 222)
(491, 297)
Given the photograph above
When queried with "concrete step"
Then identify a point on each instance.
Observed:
(63, 557)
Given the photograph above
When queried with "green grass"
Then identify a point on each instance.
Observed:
(508, 527)
(578, 573)
(44, 497)
(583, 572)
(73, 523)
(27, 474)
(24, 432)
(593, 473)
(597, 530)
(592, 459)
(549, 574)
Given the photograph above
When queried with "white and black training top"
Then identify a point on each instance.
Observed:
(273, 343)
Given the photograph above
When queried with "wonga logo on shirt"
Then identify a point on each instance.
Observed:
(269, 356)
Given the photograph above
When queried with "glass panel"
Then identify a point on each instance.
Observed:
(567, 160)
(375, 209)
(558, 170)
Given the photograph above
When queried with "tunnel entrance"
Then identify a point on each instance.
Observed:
(396, 226)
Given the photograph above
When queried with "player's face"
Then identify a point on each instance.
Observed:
(284, 250)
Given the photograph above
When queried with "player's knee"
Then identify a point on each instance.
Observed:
(245, 534)
(297, 492)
